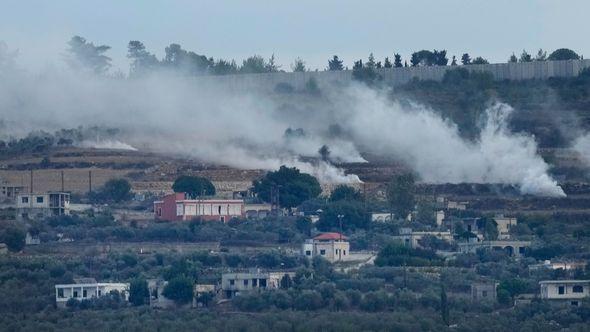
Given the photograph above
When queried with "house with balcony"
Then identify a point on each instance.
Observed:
(565, 290)
(31, 206)
(235, 282)
(87, 289)
(332, 246)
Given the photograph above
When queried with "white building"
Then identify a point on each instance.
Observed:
(571, 290)
(504, 225)
(8, 192)
(411, 239)
(86, 289)
(234, 283)
(42, 205)
(332, 246)
(380, 217)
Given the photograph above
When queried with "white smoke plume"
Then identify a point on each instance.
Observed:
(435, 150)
(183, 116)
(582, 147)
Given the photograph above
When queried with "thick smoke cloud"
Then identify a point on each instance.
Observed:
(434, 148)
(184, 116)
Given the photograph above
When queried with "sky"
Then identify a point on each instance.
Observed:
(313, 30)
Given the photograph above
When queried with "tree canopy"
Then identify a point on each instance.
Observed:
(563, 54)
(344, 192)
(84, 54)
(116, 190)
(179, 289)
(335, 64)
(400, 195)
(194, 186)
(293, 186)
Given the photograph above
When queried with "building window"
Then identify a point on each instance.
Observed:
(84, 293)
(484, 293)
(60, 293)
(322, 252)
(24, 200)
(99, 292)
(254, 282)
(561, 290)
(307, 252)
(75, 293)
(344, 252)
(39, 199)
(232, 282)
(262, 283)
(245, 282)
(578, 289)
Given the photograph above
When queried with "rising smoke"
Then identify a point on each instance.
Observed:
(182, 116)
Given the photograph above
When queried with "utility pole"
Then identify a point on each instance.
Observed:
(89, 181)
(31, 186)
(340, 216)
(62, 181)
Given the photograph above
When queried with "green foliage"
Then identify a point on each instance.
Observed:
(563, 54)
(400, 195)
(13, 236)
(444, 306)
(116, 190)
(298, 66)
(293, 186)
(512, 287)
(86, 55)
(479, 61)
(139, 293)
(312, 87)
(354, 213)
(335, 64)
(344, 192)
(179, 289)
(395, 254)
(194, 186)
(365, 73)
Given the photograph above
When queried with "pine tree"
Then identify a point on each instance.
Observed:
(387, 63)
(398, 60)
(335, 63)
(454, 62)
(465, 59)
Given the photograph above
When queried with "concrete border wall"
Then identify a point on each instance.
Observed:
(399, 76)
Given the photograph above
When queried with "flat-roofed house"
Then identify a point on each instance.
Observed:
(570, 290)
(235, 282)
(42, 205)
(179, 207)
(86, 289)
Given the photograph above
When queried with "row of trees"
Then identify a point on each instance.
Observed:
(85, 55)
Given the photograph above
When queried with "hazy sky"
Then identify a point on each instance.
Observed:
(311, 29)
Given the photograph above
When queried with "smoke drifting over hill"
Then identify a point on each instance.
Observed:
(183, 116)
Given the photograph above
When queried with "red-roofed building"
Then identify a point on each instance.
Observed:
(332, 246)
(178, 206)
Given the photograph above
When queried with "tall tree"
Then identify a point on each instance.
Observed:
(541, 55)
(186, 62)
(400, 195)
(424, 58)
(371, 61)
(86, 55)
(387, 63)
(298, 66)
(142, 61)
(513, 59)
(525, 57)
(335, 64)
(465, 59)
(138, 292)
(179, 289)
(444, 306)
(440, 58)
(397, 60)
(454, 62)
(194, 186)
(293, 186)
(271, 66)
